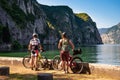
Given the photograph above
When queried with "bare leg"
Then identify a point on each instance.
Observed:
(63, 64)
(31, 62)
(60, 65)
(35, 62)
(67, 66)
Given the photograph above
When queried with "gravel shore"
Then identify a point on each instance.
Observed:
(18, 72)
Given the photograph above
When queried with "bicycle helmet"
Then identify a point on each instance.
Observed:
(64, 33)
(34, 34)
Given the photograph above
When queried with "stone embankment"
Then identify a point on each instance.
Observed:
(110, 71)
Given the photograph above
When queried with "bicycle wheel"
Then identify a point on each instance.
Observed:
(46, 62)
(56, 63)
(76, 65)
(42, 63)
(26, 61)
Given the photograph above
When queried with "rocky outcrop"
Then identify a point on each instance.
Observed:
(88, 30)
(23, 17)
(80, 30)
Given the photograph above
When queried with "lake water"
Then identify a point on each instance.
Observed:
(103, 54)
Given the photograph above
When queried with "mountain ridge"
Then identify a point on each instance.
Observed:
(111, 35)
(23, 17)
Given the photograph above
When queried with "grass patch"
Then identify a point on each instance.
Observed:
(13, 54)
(48, 54)
(17, 76)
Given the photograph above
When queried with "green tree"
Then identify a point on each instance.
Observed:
(16, 45)
(6, 37)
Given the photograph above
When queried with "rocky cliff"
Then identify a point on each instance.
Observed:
(112, 35)
(20, 18)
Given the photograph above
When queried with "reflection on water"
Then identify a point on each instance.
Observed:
(105, 54)
(108, 54)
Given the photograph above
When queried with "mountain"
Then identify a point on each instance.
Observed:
(102, 30)
(20, 18)
(112, 35)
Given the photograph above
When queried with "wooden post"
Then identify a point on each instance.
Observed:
(45, 76)
(4, 70)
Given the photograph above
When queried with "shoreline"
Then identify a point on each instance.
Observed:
(110, 71)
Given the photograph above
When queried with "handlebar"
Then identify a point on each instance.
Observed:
(41, 51)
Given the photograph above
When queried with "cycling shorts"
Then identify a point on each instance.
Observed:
(64, 55)
(34, 53)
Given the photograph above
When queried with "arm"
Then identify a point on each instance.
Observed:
(60, 44)
(71, 44)
(29, 47)
(41, 47)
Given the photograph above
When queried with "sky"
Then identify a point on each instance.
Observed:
(106, 13)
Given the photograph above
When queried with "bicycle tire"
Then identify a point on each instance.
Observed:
(42, 63)
(56, 63)
(26, 61)
(76, 65)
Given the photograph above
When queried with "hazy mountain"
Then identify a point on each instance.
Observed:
(102, 30)
(112, 35)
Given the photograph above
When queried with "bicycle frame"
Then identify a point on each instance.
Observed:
(70, 57)
(74, 62)
(42, 61)
(39, 56)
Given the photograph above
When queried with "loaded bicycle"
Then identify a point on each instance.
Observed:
(75, 62)
(42, 62)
